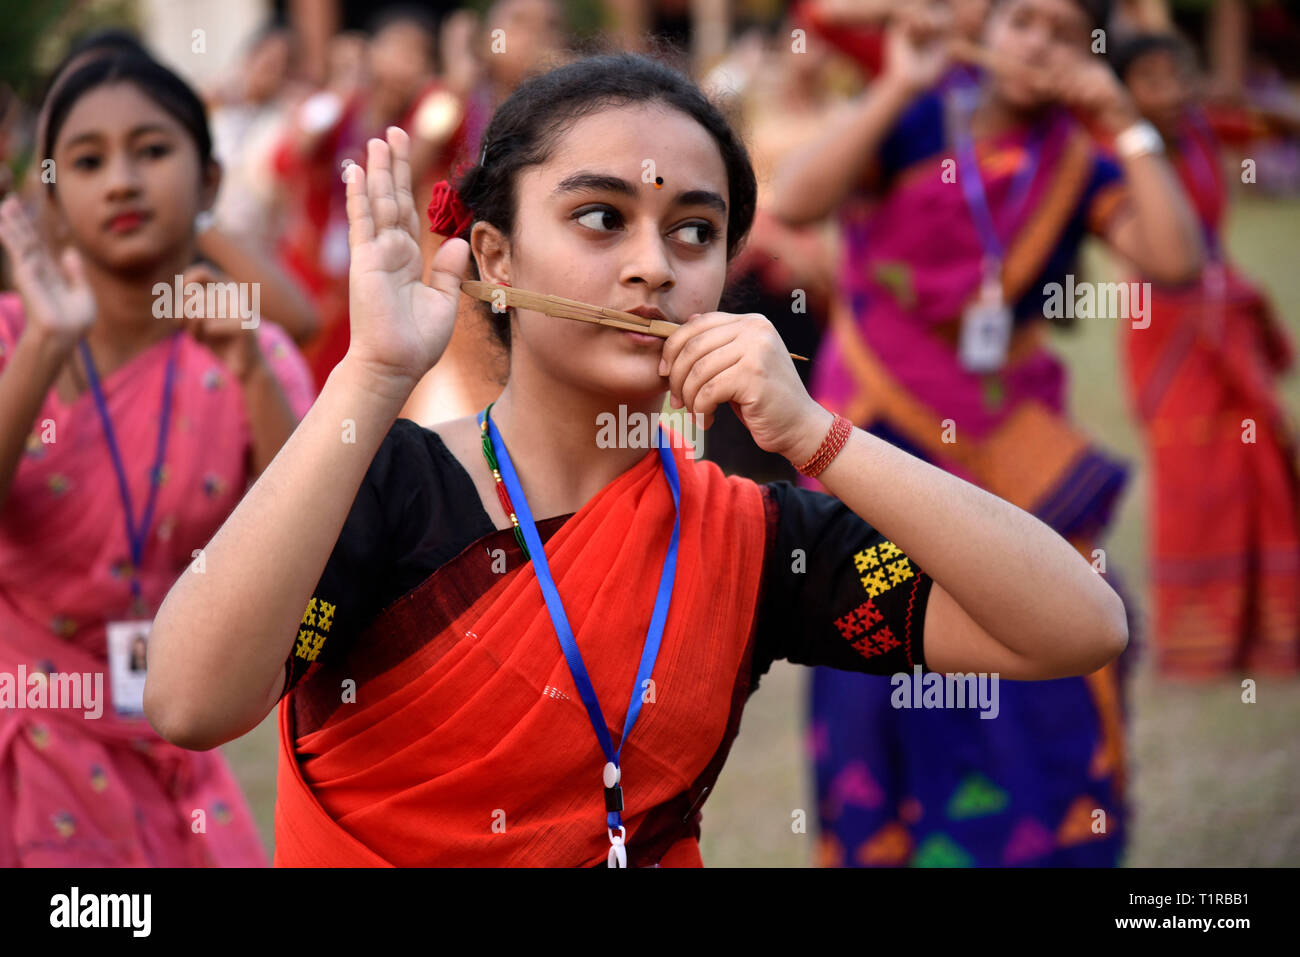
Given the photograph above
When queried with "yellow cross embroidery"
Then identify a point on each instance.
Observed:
(875, 582)
(866, 559)
(326, 616)
(304, 648)
(900, 571)
(309, 616)
(888, 551)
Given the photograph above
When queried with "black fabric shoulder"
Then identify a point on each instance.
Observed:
(416, 509)
(837, 592)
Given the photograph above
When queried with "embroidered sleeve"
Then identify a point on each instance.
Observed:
(349, 594)
(837, 592)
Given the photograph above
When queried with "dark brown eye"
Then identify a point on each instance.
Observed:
(707, 233)
(601, 212)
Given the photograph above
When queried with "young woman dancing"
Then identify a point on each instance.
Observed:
(432, 715)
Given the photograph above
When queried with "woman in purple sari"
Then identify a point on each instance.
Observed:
(961, 205)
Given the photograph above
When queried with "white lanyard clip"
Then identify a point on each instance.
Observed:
(617, 850)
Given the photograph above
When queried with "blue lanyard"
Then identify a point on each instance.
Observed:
(654, 634)
(135, 536)
(972, 187)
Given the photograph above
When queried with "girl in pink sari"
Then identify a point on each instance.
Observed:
(126, 437)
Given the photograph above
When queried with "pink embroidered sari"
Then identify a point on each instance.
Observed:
(108, 791)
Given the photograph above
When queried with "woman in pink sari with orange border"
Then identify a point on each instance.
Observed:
(126, 437)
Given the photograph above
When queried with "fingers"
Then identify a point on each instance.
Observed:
(20, 240)
(400, 145)
(201, 273)
(703, 343)
(34, 271)
(74, 268)
(379, 185)
(361, 228)
(680, 338)
(705, 370)
(450, 267)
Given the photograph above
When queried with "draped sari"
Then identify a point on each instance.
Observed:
(945, 788)
(1224, 497)
(467, 743)
(108, 791)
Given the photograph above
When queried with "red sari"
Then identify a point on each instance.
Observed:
(467, 752)
(1224, 496)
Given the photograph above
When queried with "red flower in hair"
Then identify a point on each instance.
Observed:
(448, 216)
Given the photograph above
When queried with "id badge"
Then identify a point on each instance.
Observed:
(128, 644)
(985, 330)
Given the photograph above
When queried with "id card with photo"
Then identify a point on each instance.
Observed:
(985, 334)
(128, 644)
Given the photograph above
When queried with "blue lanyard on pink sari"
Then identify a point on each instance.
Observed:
(972, 187)
(136, 536)
(654, 634)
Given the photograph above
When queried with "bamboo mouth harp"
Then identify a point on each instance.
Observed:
(563, 308)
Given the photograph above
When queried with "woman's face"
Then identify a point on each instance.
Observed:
(128, 181)
(1035, 33)
(532, 33)
(590, 227)
(1160, 86)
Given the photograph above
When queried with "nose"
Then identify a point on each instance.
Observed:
(123, 177)
(647, 259)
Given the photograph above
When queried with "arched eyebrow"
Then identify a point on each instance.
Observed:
(96, 136)
(588, 181)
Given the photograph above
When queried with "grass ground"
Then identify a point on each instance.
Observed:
(1215, 782)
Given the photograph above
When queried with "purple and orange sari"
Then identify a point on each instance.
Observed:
(108, 791)
(1224, 497)
(946, 787)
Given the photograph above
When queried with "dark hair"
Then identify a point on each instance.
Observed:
(153, 79)
(412, 14)
(1139, 45)
(105, 42)
(1097, 11)
(528, 125)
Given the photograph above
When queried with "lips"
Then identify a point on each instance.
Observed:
(651, 312)
(127, 221)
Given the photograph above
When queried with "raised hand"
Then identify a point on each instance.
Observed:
(56, 299)
(916, 46)
(400, 324)
(1088, 86)
(718, 357)
(236, 346)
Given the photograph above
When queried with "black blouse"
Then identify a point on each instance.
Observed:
(835, 592)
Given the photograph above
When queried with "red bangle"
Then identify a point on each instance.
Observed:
(836, 437)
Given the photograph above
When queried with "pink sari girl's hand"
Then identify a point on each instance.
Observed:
(236, 346)
(718, 357)
(57, 300)
(400, 325)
